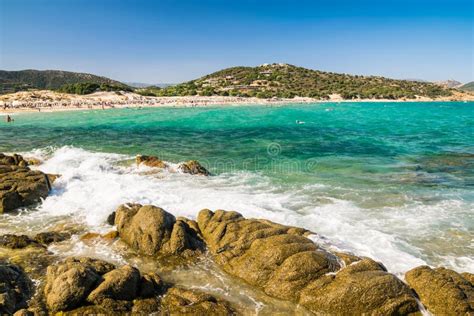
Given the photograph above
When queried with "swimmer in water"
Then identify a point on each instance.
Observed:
(299, 122)
(8, 119)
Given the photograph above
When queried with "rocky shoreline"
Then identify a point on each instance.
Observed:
(279, 261)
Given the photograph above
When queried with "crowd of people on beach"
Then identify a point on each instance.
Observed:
(85, 103)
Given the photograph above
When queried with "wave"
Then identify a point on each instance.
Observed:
(93, 184)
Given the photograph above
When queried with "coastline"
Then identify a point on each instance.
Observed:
(49, 101)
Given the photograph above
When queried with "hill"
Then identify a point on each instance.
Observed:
(469, 87)
(12, 81)
(449, 83)
(288, 81)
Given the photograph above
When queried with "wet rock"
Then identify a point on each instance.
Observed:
(118, 284)
(361, 288)
(146, 306)
(15, 288)
(283, 263)
(24, 312)
(151, 230)
(179, 301)
(14, 160)
(108, 237)
(69, 283)
(150, 285)
(52, 177)
(111, 219)
(31, 161)
(151, 161)
(17, 241)
(20, 186)
(46, 238)
(443, 291)
(468, 276)
(193, 167)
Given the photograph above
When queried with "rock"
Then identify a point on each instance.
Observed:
(443, 291)
(15, 288)
(24, 312)
(361, 288)
(283, 263)
(31, 161)
(14, 160)
(193, 167)
(118, 284)
(468, 276)
(17, 241)
(146, 306)
(151, 161)
(20, 186)
(46, 238)
(179, 301)
(69, 283)
(150, 285)
(111, 219)
(52, 177)
(151, 230)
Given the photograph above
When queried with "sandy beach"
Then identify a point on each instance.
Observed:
(50, 101)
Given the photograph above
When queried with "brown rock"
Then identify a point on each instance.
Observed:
(361, 288)
(442, 291)
(118, 284)
(17, 241)
(69, 283)
(283, 263)
(193, 167)
(151, 230)
(14, 160)
(179, 301)
(150, 285)
(20, 186)
(146, 306)
(151, 161)
(15, 288)
(46, 238)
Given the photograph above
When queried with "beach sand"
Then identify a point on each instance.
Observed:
(50, 101)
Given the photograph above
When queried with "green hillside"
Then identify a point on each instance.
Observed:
(12, 81)
(288, 81)
(467, 87)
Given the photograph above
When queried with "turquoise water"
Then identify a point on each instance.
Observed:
(391, 180)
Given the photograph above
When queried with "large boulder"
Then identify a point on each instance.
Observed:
(285, 264)
(152, 231)
(69, 283)
(443, 291)
(15, 288)
(118, 284)
(89, 286)
(20, 186)
(361, 288)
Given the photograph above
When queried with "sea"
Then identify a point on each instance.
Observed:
(391, 181)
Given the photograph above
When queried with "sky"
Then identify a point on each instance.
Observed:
(166, 41)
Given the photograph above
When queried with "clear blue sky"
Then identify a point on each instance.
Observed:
(172, 41)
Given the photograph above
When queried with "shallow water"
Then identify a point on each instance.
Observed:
(393, 181)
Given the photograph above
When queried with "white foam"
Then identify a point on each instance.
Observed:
(92, 185)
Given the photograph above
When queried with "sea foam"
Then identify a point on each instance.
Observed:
(93, 184)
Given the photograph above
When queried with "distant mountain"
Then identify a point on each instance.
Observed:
(12, 81)
(283, 80)
(467, 87)
(146, 85)
(449, 83)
